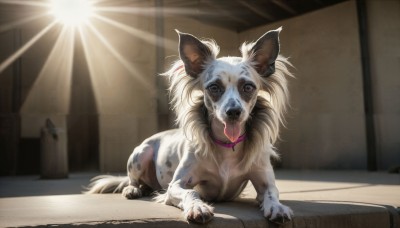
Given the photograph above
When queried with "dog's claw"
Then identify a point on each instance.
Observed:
(131, 192)
(200, 218)
(277, 212)
(280, 219)
(199, 213)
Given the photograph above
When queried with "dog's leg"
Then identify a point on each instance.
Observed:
(137, 163)
(180, 193)
(189, 201)
(273, 209)
(263, 180)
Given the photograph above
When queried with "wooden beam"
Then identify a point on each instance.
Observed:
(257, 10)
(281, 4)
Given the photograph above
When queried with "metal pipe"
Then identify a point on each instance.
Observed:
(367, 86)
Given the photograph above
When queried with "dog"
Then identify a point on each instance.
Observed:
(229, 111)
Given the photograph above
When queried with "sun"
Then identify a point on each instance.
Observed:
(72, 12)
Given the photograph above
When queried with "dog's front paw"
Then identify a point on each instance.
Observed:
(277, 212)
(198, 212)
(131, 192)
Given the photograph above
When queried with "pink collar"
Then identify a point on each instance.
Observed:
(229, 144)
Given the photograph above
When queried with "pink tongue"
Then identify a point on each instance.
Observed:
(232, 131)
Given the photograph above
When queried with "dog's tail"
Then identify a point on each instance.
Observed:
(106, 184)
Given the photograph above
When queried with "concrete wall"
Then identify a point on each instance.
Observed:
(124, 87)
(227, 40)
(9, 128)
(384, 40)
(326, 124)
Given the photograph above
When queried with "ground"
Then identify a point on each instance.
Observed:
(318, 199)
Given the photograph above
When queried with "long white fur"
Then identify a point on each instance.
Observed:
(187, 96)
(197, 147)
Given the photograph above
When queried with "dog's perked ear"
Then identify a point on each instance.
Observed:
(265, 51)
(193, 53)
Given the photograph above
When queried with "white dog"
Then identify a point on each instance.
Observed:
(229, 110)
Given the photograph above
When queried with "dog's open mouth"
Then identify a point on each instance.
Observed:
(232, 130)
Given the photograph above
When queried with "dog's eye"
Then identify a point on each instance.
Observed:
(214, 89)
(248, 88)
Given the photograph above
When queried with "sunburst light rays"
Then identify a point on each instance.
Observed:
(143, 35)
(94, 71)
(52, 86)
(151, 11)
(72, 12)
(120, 57)
(25, 47)
(116, 81)
(22, 21)
(39, 3)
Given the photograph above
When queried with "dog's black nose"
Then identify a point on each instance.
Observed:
(234, 113)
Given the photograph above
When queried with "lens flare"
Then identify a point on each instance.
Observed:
(72, 12)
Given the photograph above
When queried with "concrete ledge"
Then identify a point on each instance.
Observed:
(111, 209)
(315, 204)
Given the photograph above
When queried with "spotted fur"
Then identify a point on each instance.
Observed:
(214, 98)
